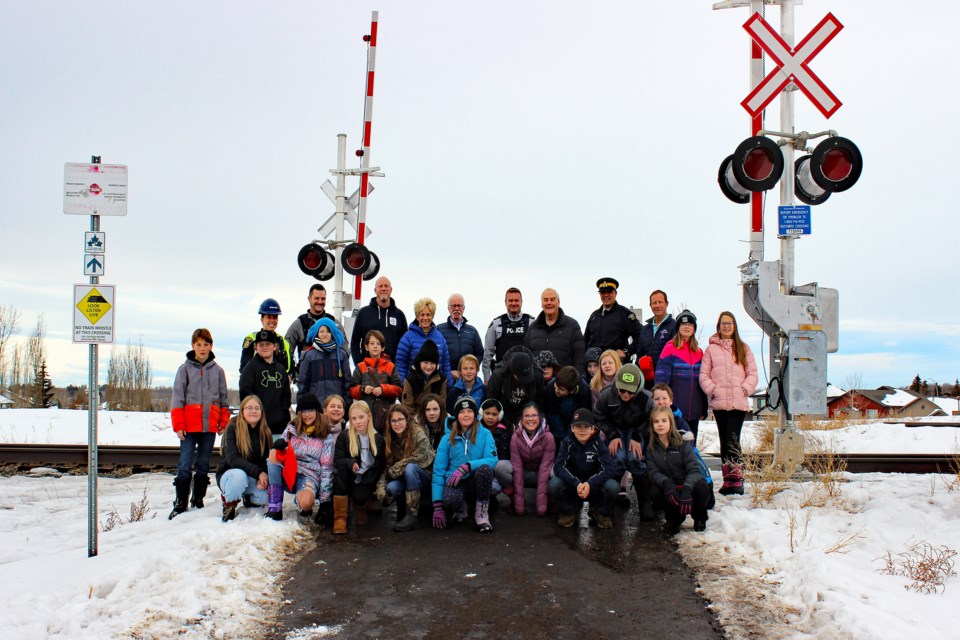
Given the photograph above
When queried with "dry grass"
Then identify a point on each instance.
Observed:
(845, 542)
(765, 481)
(928, 567)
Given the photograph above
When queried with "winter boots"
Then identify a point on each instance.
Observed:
(644, 505)
(274, 502)
(360, 513)
(182, 489)
(732, 480)
(482, 516)
(200, 483)
(409, 521)
(229, 509)
(341, 505)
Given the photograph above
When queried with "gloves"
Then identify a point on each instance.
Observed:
(458, 475)
(280, 444)
(686, 501)
(439, 515)
(671, 497)
(646, 367)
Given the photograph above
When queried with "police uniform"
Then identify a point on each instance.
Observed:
(614, 328)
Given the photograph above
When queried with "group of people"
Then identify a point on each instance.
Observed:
(573, 415)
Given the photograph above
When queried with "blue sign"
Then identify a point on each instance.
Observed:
(795, 220)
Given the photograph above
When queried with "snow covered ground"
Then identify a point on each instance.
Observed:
(800, 565)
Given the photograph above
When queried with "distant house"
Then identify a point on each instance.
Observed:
(5, 402)
(950, 406)
(883, 402)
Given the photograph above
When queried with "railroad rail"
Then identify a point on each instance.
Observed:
(16, 458)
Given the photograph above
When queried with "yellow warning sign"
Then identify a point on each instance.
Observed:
(94, 306)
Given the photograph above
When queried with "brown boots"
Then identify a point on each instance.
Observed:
(341, 506)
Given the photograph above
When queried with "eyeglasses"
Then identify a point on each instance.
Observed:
(726, 324)
(533, 416)
(455, 306)
(398, 421)
(253, 407)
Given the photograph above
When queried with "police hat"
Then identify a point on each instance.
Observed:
(607, 284)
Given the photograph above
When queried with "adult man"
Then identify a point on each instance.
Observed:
(381, 314)
(462, 338)
(556, 332)
(297, 333)
(612, 326)
(655, 333)
(269, 318)
(505, 331)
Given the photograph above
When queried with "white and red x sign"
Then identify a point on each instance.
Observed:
(792, 65)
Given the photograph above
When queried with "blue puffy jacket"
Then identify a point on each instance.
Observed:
(451, 456)
(410, 345)
(680, 368)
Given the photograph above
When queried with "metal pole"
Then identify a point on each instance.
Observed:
(756, 124)
(94, 391)
(364, 153)
(787, 243)
(341, 213)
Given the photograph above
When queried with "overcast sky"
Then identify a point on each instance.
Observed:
(527, 144)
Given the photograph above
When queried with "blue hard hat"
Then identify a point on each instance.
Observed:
(269, 307)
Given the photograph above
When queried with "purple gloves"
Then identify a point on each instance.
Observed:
(458, 475)
(686, 501)
(439, 515)
(671, 497)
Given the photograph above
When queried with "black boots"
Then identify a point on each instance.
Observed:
(200, 483)
(182, 489)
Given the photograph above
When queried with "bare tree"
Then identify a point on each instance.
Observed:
(9, 327)
(129, 377)
(853, 402)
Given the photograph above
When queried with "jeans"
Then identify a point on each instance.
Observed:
(627, 461)
(195, 446)
(414, 479)
(235, 483)
(569, 503)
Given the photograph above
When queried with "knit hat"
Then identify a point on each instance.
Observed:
(629, 378)
(547, 359)
(686, 317)
(428, 353)
(466, 402)
(593, 355)
(521, 366)
(308, 402)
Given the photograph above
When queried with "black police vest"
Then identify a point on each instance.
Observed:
(512, 333)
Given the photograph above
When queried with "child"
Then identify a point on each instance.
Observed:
(548, 364)
(199, 411)
(679, 367)
(532, 452)
(565, 394)
(675, 481)
(583, 470)
(333, 409)
(663, 397)
(464, 466)
(408, 459)
(242, 472)
(592, 357)
(375, 380)
(266, 378)
(359, 459)
(324, 367)
(603, 378)
(309, 474)
(430, 418)
(468, 384)
(424, 378)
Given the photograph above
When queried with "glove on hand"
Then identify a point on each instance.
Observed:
(439, 515)
(686, 501)
(458, 475)
(280, 444)
(671, 497)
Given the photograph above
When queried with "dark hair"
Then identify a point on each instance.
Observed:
(663, 386)
(661, 292)
(316, 287)
(531, 405)
(408, 437)
(568, 377)
(512, 290)
(373, 333)
(202, 334)
(421, 410)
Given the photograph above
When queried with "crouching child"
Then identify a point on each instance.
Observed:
(676, 485)
(584, 471)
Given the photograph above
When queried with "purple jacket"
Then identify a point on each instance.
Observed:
(532, 454)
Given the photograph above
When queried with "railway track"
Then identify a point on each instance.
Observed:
(16, 458)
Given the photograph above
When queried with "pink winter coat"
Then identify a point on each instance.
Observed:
(727, 384)
(532, 454)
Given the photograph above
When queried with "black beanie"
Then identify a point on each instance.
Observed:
(428, 353)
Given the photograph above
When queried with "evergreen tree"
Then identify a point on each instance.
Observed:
(915, 385)
(44, 386)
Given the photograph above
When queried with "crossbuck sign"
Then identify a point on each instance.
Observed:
(792, 65)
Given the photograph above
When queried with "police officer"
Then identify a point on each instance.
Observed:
(269, 318)
(505, 331)
(613, 326)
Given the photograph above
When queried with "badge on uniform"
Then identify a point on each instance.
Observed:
(247, 342)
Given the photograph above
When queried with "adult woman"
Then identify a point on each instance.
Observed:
(359, 459)
(308, 474)
(679, 367)
(431, 417)
(609, 365)
(334, 410)
(532, 453)
(421, 330)
(242, 472)
(464, 466)
(408, 459)
(728, 375)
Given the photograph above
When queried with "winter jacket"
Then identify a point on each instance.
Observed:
(462, 341)
(512, 395)
(376, 372)
(451, 456)
(343, 461)
(563, 338)
(624, 420)
(591, 463)
(395, 464)
(680, 368)
(559, 411)
(296, 334)
(416, 388)
(728, 385)
(672, 466)
(503, 333)
(501, 438)
(410, 345)
(652, 342)
(616, 328)
(323, 373)
(231, 458)
(314, 459)
(199, 403)
(390, 322)
(536, 453)
(458, 390)
(282, 354)
(270, 383)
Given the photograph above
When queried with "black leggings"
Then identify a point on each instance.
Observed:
(476, 484)
(729, 425)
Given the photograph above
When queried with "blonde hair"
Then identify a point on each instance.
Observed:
(674, 438)
(242, 428)
(468, 358)
(425, 303)
(597, 383)
(352, 433)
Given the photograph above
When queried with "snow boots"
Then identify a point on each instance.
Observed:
(482, 516)
(409, 520)
(644, 505)
(182, 489)
(732, 480)
(229, 509)
(360, 513)
(341, 505)
(274, 502)
(200, 483)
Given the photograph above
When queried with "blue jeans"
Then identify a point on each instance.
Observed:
(414, 479)
(627, 461)
(195, 446)
(235, 483)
